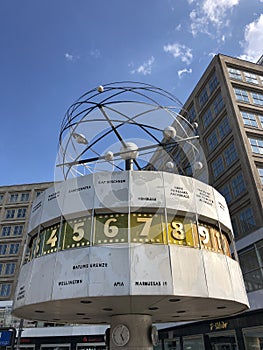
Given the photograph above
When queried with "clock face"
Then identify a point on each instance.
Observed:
(120, 335)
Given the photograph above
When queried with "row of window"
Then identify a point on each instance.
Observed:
(9, 248)
(233, 188)
(252, 119)
(256, 145)
(218, 134)
(245, 76)
(244, 222)
(255, 98)
(5, 289)
(224, 160)
(12, 230)
(15, 213)
(7, 268)
(251, 262)
(16, 197)
(207, 90)
(213, 110)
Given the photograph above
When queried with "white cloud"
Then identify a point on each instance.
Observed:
(95, 53)
(253, 39)
(145, 68)
(179, 51)
(70, 57)
(179, 27)
(210, 12)
(183, 71)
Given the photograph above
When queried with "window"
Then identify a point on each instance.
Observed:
(10, 213)
(14, 248)
(218, 104)
(247, 221)
(18, 230)
(257, 98)
(193, 342)
(203, 97)
(192, 114)
(252, 266)
(1, 198)
(234, 74)
(207, 118)
(3, 249)
(238, 184)
(225, 191)
(230, 154)
(249, 119)
(218, 166)
(10, 268)
(212, 141)
(256, 145)
(38, 193)
(213, 82)
(224, 128)
(1, 268)
(260, 172)
(24, 197)
(13, 197)
(250, 78)
(261, 120)
(5, 289)
(21, 212)
(6, 231)
(241, 95)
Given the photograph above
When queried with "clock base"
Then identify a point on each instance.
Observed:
(131, 332)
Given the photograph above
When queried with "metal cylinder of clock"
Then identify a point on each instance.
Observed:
(126, 243)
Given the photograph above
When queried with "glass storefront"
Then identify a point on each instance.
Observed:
(253, 338)
(171, 344)
(193, 343)
(224, 341)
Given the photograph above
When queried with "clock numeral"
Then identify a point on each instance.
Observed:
(52, 241)
(110, 231)
(78, 231)
(147, 224)
(178, 230)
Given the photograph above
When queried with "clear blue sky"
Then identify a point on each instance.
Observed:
(52, 51)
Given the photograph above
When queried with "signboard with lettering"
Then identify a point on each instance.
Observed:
(222, 210)
(205, 201)
(36, 211)
(111, 190)
(150, 275)
(7, 336)
(179, 194)
(79, 195)
(109, 271)
(146, 189)
(70, 278)
(53, 201)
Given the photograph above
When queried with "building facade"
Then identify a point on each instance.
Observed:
(227, 104)
(15, 206)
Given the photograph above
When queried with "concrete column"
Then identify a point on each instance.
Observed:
(138, 333)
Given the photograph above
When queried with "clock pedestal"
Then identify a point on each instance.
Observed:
(131, 332)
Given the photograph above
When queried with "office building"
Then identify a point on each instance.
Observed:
(227, 104)
(15, 206)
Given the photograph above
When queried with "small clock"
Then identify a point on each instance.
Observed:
(120, 335)
(154, 336)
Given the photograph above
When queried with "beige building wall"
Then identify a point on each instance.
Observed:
(15, 206)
